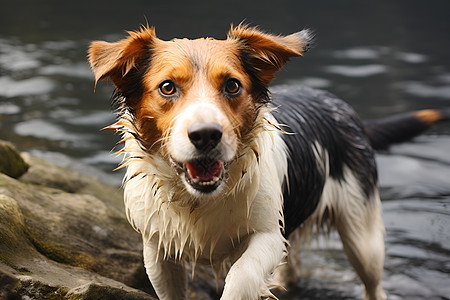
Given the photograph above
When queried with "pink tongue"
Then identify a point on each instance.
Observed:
(203, 171)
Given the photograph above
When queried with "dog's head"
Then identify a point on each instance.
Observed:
(194, 102)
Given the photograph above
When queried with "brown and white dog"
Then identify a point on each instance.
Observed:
(212, 178)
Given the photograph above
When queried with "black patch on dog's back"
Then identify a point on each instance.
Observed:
(318, 118)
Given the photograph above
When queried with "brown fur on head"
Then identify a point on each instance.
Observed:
(264, 54)
(200, 70)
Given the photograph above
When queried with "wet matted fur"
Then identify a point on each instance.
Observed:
(222, 172)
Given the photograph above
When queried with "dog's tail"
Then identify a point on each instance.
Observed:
(402, 127)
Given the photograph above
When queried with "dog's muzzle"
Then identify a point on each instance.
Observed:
(206, 172)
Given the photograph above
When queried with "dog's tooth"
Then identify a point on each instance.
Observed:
(205, 183)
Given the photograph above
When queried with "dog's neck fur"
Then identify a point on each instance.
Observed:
(159, 206)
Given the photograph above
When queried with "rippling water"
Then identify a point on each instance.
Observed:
(382, 57)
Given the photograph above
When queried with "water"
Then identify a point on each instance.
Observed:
(382, 57)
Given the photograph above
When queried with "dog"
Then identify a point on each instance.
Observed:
(221, 172)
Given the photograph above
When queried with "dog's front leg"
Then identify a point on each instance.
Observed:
(250, 275)
(167, 276)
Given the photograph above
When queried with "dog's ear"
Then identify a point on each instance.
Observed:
(122, 61)
(267, 53)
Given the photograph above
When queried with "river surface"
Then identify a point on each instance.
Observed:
(383, 57)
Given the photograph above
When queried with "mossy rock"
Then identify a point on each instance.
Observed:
(56, 244)
(11, 162)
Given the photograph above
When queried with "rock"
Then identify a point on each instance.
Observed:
(96, 291)
(65, 236)
(44, 173)
(11, 163)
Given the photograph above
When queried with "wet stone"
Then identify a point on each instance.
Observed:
(11, 162)
(65, 236)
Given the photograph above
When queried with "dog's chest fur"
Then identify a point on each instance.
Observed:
(210, 229)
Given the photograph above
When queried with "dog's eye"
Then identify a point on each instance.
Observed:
(232, 87)
(167, 88)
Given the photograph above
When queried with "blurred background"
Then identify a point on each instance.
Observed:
(383, 57)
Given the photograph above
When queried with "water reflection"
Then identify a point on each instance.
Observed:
(357, 71)
(420, 89)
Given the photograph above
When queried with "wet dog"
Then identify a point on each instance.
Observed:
(222, 172)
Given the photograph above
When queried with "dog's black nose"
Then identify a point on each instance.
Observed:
(205, 136)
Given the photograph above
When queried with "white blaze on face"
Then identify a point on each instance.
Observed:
(202, 111)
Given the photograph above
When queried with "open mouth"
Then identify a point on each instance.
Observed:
(204, 174)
